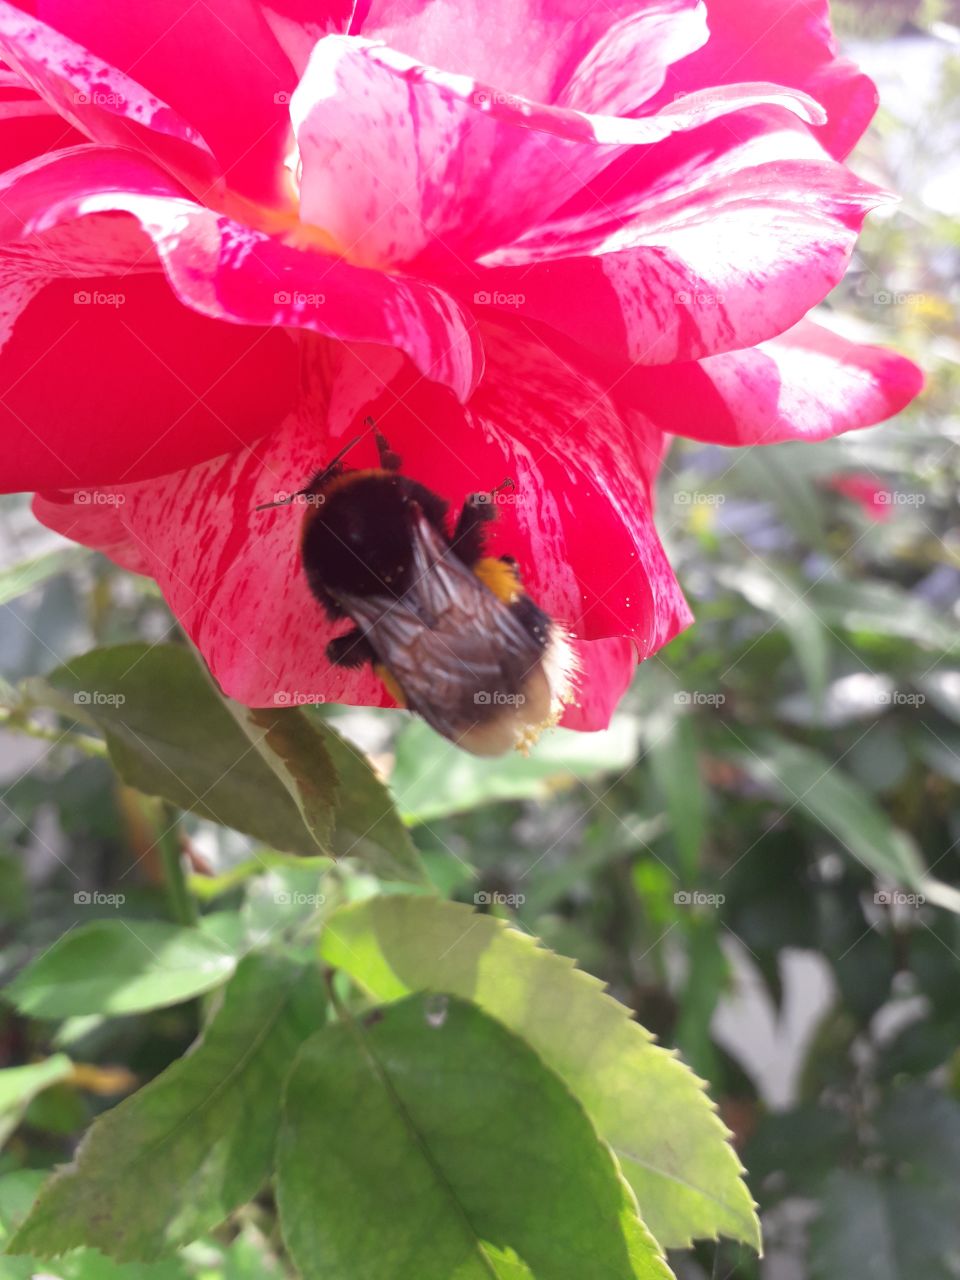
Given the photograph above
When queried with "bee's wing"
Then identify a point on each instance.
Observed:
(450, 643)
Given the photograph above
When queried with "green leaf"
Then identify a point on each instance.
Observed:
(417, 1140)
(432, 778)
(269, 773)
(874, 1227)
(369, 828)
(197, 1142)
(675, 765)
(120, 966)
(816, 786)
(295, 752)
(643, 1101)
(785, 597)
(19, 1085)
(18, 1191)
(20, 578)
(882, 609)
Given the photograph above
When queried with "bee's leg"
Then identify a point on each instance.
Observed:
(469, 535)
(389, 460)
(352, 649)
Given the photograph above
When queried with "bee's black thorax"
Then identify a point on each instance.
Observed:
(358, 540)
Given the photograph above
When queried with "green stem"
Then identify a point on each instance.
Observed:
(83, 742)
(183, 908)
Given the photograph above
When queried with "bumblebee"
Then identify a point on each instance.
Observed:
(449, 629)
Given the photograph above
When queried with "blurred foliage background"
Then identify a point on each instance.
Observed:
(743, 857)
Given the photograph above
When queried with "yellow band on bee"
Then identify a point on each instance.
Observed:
(500, 578)
(390, 684)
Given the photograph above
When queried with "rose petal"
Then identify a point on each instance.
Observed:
(405, 164)
(200, 251)
(873, 497)
(126, 383)
(580, 523)
(606, 669)
(807, 384)
(215, 62)
(592, 58)
(790, 44)
(97, 98)
(719, 256)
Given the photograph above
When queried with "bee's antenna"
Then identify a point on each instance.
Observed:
(314, 485)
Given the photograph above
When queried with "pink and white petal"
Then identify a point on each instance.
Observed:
(791, 44)
(91, 517)
(280, 284)
(807, 384)
(606, 669)
(216, 63)
(720, 273)
(98, 99)
(405, 164)
(297, 25)
(734, 257)
(233, 577)
(29, 126)
(540, 49)
(117, 381)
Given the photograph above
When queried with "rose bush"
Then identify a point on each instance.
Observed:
(530, 240)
